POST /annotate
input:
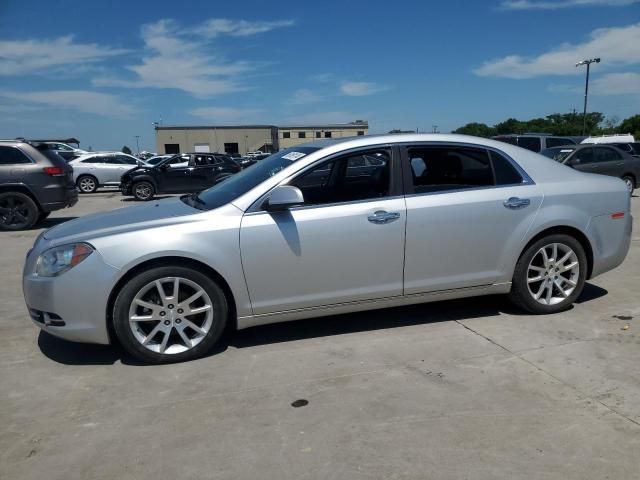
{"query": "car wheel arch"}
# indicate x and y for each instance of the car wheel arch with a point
(574, 232)
(163, 262)
(20, 188)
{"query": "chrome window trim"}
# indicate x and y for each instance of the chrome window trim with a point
(462, 190)
(326, 205)
(256, 206)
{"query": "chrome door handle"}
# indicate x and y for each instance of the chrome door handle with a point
(383, 217)
(516, 203)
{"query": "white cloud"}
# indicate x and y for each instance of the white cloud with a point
(182, 59)
(221, 115)
(358, 89)
(304, 96)
(20, 57)
(555, 5)
(238, 28)
(616, 46)
(616, 84)
(79, 100)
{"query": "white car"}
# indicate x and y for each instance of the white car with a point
(66, 151)
(257, 153)
(101, 169)
(617, 138)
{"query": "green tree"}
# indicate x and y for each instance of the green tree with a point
(631, 125)
(510, 125)
(476, 129)
(126, 150)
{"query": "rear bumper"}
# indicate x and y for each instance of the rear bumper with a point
(610, 241)
(58, 198)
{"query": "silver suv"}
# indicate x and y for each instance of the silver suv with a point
(34, 181)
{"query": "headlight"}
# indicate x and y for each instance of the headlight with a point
(58, 260)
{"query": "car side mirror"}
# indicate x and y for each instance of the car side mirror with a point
(283, 198)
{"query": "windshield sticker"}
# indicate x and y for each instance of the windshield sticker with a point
(293, 156)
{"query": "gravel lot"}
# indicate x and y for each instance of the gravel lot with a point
(461, 389)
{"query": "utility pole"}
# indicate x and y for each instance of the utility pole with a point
(586, 90)
(138, 144)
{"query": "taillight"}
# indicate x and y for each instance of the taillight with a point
(617, 215)
(54, 171)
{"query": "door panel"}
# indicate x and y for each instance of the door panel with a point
(313, 256)
(465, 238)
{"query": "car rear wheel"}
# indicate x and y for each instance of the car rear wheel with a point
(169, 314)
(549, 275)
(630, 182)
(143, 191)
(17, 211)
(87, 184)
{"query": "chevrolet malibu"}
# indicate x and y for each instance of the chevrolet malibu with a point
(325, 228)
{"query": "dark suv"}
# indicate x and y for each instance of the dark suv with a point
(34, 181)
(182, 173)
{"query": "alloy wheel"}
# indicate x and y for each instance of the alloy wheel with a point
(171, 315)
(14, 212)
(87, 185)
(553, 273)
(143, 190)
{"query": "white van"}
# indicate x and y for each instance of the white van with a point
(617, 138)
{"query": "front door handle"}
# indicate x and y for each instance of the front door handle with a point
(381, 216)
(516, 203)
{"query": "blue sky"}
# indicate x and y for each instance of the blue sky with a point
(104, 71)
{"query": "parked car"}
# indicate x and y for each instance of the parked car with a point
(101, 169)
(182, 173)
(34, 181)
(436, 217)
(599, 158)
(157, 159)
(257, 153)
(535, 143)
(66, 151)
(248, 161)
(632, 148)
(615, 138)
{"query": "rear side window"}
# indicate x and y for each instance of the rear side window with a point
(607, 154)
(584, 155)
(530, 143)
(557, 141)
(505, 172)
(12, 156)
(437, 169)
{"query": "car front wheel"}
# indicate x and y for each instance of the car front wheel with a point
(549, 275)
(169, 314)
(143, 191)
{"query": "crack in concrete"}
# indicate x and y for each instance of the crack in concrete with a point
(537, 367)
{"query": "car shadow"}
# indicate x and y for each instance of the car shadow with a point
(157, 197)
(70, 353)
(52, 222)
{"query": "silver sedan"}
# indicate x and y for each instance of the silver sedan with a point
(324, 228)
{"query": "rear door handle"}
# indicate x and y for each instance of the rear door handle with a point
(382, 216)
(516, 203)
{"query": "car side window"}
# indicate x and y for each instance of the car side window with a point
(504, 171)
(584, 155)
(126, 160)
(607, 154)
(530, 143)
(347, 179)
(439, 169)
(557, 141)
(200, 160)
(12, 156)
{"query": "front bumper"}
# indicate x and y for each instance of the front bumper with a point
(72, 306)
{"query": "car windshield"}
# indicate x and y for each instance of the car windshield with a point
(155, 160)
(557, 154)
(242, 182)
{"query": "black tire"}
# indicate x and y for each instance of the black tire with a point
(125, 297)
(143, 191)
(17, 211)
(630, 181)
(87, 184)
(43, 216)
(520, 294)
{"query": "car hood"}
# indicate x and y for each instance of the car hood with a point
(140, 169)
(138, 217)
